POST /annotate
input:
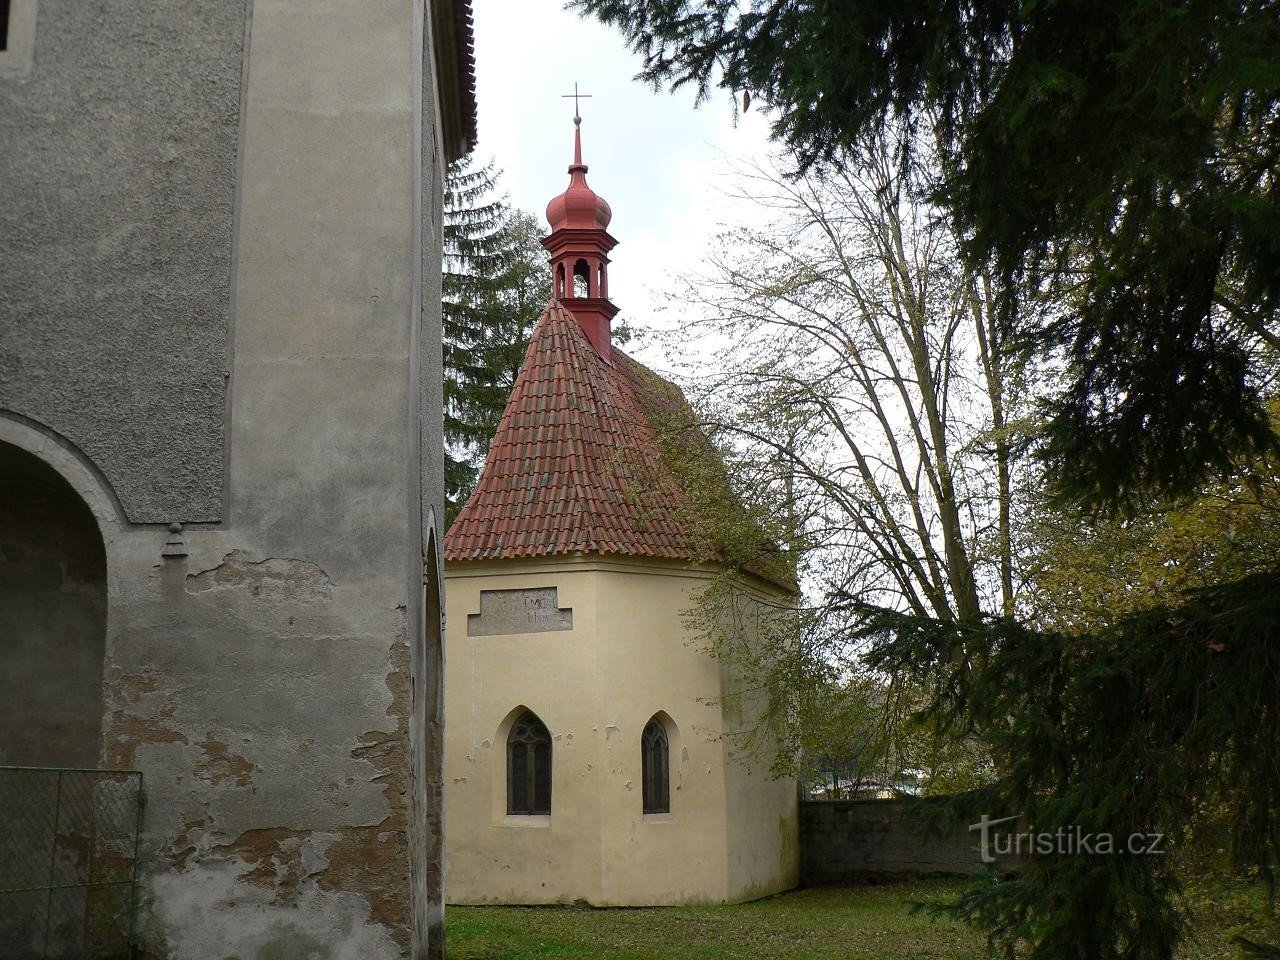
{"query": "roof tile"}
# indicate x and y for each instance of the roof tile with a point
(575, 466)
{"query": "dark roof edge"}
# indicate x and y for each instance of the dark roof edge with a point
(453, 38)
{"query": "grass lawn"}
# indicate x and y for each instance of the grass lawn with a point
(866, 923)
(870, 923)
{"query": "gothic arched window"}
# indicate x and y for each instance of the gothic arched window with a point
(528, 766)
(655, 764)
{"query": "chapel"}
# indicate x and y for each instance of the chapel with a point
(585, 750)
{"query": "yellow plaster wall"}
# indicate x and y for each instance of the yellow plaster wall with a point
(761, 812)
(595, 687)
(762, 829)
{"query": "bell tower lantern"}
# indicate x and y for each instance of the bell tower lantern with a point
(579, 246)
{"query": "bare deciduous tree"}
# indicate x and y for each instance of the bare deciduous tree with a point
(866, 404)
(860, 377)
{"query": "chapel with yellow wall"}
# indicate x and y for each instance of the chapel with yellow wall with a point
(585, 750)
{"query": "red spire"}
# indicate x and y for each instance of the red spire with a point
(579, 207)
(579, 247)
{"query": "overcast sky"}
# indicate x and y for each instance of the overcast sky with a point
(657, 160)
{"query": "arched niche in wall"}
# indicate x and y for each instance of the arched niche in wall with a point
(53, 616)
(431, 686)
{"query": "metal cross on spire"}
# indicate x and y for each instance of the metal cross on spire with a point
(577, 116)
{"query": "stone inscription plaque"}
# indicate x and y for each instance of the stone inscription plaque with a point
(518, 611)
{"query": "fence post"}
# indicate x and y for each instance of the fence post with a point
(133, 874)
(53, 864)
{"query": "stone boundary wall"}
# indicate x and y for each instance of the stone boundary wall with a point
(856, 841)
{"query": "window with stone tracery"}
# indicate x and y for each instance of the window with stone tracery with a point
(655, 763)
(528, 767)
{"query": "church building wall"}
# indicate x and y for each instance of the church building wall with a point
(764, 854)
(220, 252)
(490, 680)
(763, 844)
(627, 658)
(650, 665)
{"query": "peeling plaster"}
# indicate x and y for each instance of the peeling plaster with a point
(185, 844)
(136, 685)
(272, 579)
(221, 765)
(192, 906)
(274, 858)
(281, 877)
(127, 732)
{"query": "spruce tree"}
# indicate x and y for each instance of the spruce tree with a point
(1122, 161)
(1124, 157)
(494, 286)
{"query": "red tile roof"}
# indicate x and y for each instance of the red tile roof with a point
(453, 33)
(576, 465)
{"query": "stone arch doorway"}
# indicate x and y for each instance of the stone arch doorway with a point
(53, 616)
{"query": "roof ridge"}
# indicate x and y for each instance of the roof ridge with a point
(578, 442)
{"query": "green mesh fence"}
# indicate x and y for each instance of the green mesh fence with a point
(68, 862)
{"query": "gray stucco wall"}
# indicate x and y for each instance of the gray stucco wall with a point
(117, 182)
(235, 319)
(271, 677)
